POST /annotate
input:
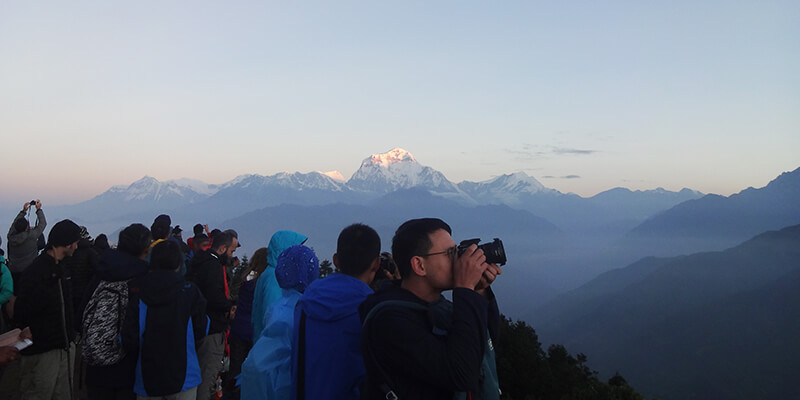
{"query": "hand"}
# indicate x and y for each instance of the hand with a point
(10, 306)
(26, 206)
(492, 270)
(8, 354)
(205, 227)
(469, 267)
(26, 333)
(232, 313)
(38, 204)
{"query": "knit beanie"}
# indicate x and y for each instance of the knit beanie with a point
(63, 233)
(297, 267)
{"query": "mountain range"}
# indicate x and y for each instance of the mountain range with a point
(587, 236)
(710, 325)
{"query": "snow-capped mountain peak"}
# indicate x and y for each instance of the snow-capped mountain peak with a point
(395, 155)
(515, 183)
(335, 175)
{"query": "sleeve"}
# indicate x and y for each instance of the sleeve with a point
(200, 321)
(41, 223)
(215, 283)
(6, 284)
(452, 361)
(130, 326)
(493, 315)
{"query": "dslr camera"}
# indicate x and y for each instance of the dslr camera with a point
(494, 251)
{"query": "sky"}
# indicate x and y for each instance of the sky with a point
(582, 95)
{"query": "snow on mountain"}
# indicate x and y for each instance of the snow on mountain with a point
(151, 189)
(335, 175)
(398, 169)
(296, 180)
(507, 189)
(196, 185)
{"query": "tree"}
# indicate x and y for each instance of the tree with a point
(325, 268)
(527, 372)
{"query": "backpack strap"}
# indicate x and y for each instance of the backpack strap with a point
(386, 383)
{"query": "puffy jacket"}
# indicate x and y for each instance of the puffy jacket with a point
(334, 367)
(22, 246)
(267, 288)
(267, 371)
(166, 318)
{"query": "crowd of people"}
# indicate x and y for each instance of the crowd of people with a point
(157, 317)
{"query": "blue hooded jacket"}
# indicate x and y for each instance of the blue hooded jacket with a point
(334, 367)
(266, 373)
(267, 288)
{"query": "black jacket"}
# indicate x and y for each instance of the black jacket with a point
(404, 350)
(166, 318)
(82, 266)
(206, 271)
(114, 266)
(44, 302)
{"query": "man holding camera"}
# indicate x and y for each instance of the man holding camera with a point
(418, 345)
(23, 240)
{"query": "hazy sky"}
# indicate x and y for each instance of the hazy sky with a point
(584, 96)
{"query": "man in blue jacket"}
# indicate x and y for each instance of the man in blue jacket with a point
(326, 354)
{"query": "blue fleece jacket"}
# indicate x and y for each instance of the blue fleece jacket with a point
(334, 368)
(267, 288)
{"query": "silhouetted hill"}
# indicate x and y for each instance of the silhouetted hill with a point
(716, 325)
(715, 222)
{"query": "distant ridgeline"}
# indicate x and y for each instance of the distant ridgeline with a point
(716, 325)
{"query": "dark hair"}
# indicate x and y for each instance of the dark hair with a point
(358, 246)
(166, 255)
(134, 240)
(21, 225)
(197, 229)
(101, 241)
(221, 239)
(159, 230)
(257, 264)
(411, 239)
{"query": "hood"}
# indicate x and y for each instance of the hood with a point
(161, 287)
(281, 241)
(118, 266)
(334, 297)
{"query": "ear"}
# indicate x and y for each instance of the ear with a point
(336, 260)
(417, 266)
(376, 263)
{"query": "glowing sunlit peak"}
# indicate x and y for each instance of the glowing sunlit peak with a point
(392, 156)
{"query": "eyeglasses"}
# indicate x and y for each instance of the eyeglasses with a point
(450, 252)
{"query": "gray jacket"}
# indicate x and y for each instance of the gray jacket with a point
(22, 246)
